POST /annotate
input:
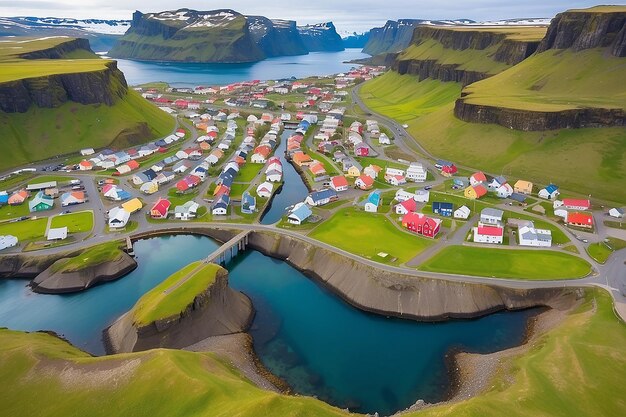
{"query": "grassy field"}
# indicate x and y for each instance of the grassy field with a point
(25, 230)
(94, 255)
(75, 222)
(507, 263)
(535, 156)
(367, 234)
(46, 377)
(249, 171)
(183, 286)
(558, 236)
(615, 225)
(602, 250)
(584, 358)
(73, 126)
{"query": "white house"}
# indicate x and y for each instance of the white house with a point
(618, 213)
(462, 213)
(561, 212)
(491, 216)
(118, 217)
(416, 172)
(7, 241)
(529, 236)
(504, 191)
(265, 189)
(372, 202)
(87, 151)
(420, 196)
(383, 139)
(59, 233)
(488, 234)
(299, 213)
(186, 211)
(395, 180)
(549, 193)
(394, 171)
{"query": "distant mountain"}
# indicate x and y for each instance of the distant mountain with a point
(321, 37)
(220, 36)
(102, 34)
(396, 35)
(355, 40)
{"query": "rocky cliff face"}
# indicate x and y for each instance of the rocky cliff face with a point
(494, 45)
(399, 295)
(216, 311)
(580, 30)
(276, 37)
(321, 37)
(96, 87)
(393, 37)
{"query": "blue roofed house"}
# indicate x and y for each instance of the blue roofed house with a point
(220, 205)
(299, 213)
(372, 202)
(319, 198)
(41, 202)
(550, 192)
(443, 209)
(4, 198)
(248, 203)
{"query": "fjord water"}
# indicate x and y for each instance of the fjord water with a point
(190, 75)
(293, 190)
(303, 333)
(323, 347)
(81, 317)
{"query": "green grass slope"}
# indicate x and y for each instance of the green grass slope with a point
(42, 133)
(44, 376)
(173, 295)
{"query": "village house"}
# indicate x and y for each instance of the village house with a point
(477, 178)
(248, 203)
(383, 139)
(474, 192)
(422, 225)
(549, 193)
(406, 206)
(364, 182)
(132, 206)
(443, 209)
(488, 234)
(265, 189)
(72, 198)
(85, 165)
(187, 211)
(504, 191)
(395, 180)
(149, 187)
(127, 167)
(572, 204)
(160, 209)
(416, 172)
(449, 170)
(164, 177)
(372, 171)
(491, 216)
(373, 202)
(616, 212)
(319, 198)
(496, 183)
(260, 154)
(8, 241)
(352, 168)
(181, 167)
(18, 198)
(41, 202)
(523, 187)
(317, 170)
(118, 218)
(299, 213)
(219, 207)
(528, 235)
(577, 219)
(301, 159)
(339, 183)
(462, 213)
(420, 196)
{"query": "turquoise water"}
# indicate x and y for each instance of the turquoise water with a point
(293, 191)
(190, 75)
(317, 343)
(323, 347)
(81, 317)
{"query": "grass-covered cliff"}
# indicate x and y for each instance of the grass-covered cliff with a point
(480, 124)
(57, 96)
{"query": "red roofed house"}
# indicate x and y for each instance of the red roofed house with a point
(488, 233)
(85, 165)
(406, 206)
(477, 178)
(339, 183)
(364, 182)
(573, 204)
(449, 170)
(362, 150)
(160, 209)
(580, 220)
(317, 169)
(474, 192)
(182, 104)
(421, 224)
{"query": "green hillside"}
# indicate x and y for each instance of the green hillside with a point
(42, 132)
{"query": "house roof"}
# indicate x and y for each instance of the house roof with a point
(551, 188)
(488, 211)
(480, 190)
(161, 206)
(571, 202)
(490, 230)
(374, 198)
(339, 181)
(479, 176)
(132, 205)
(323, 194)
(300, 211)
(317, 168)
(366, 179)
(409, 205)
(580, 218)
(442, 205)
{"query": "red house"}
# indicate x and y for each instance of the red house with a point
(182, 104)
(574, 204)
(362, 150)
(421, 224)
(580, 220)
(160, 209)
(449, 170)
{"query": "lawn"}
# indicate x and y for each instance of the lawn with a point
(26, 229)
(601, 251)
(76, 222)
(173, 295)
(558, 236)
(507, 263)
(383, 163)
(367, 234)
(249, 171)
(615, 225)
(576, 369)
(11, 212)
(236, 191)
(94, 255)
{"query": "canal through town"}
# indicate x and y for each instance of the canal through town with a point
(303, 333)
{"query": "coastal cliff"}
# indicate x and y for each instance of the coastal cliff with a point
(405, 296)
(216, 310)
(586, 47)
(321, 37)
(54, 280)
(462, 54)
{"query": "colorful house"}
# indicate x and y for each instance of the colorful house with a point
(364, 182)
(339, 183)
(248, 203)
(41, 202)
(71, 198)
(477, 178)
(317, 169)
(372, 202)
(449, 170)
(549, 193)
(299, 213)
(301, 159)
(132, 206)
(160, 209)
(474, 192)
(319, 198)
(18, 198)
(488, 234)
(421, 224)
(406, 206)
(580, 220)
(443, 209)
(523, 187)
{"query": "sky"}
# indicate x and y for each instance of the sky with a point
(348, 15)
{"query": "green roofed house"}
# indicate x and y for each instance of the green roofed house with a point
(41, 202)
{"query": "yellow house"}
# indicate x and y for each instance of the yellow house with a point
(523, 187)
(353, 171)
(132, 206)
(475, 192)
